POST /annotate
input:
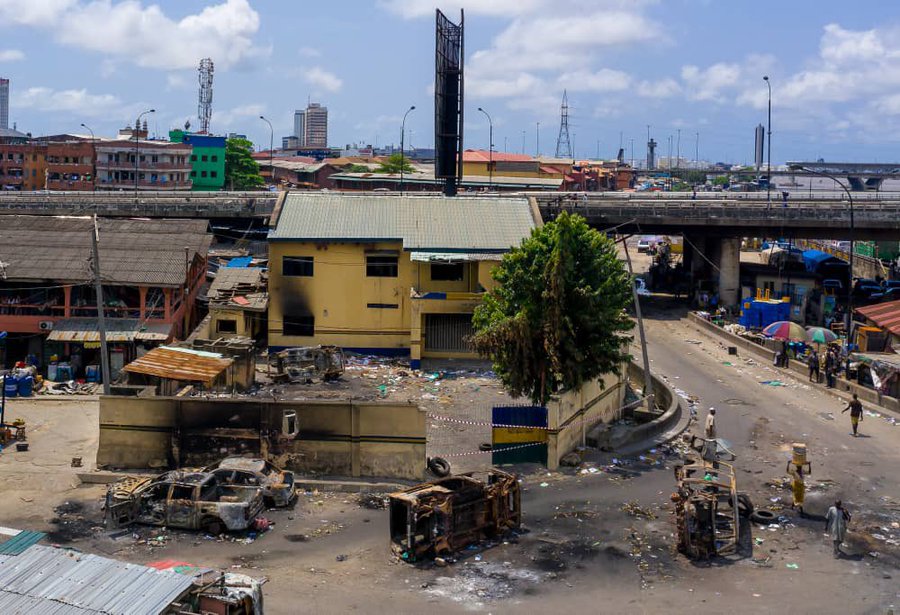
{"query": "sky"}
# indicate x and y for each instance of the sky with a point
(693, 66)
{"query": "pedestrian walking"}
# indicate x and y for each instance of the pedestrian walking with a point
(798, 487)
(710, 429)
(856, 413)
(813, 362)
(830, 367)
(836, 521)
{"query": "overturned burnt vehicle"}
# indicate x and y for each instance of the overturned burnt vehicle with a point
(183, 499)
(277, 485)
(306, 364)
(441, 517)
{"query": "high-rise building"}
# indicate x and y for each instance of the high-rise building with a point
(4, 103)
(300, 126)
(311, 126)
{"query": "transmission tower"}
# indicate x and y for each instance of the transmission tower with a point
(563, 143)
(204, 107)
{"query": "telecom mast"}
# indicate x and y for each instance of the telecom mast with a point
(204, 107)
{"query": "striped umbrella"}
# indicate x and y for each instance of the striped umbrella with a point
(820, 335)
(785, 330)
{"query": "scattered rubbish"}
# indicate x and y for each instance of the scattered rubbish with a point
(545, 484)
(341, 558)
(635, 510)
(773, 383)
(792, 566)
(372, 501)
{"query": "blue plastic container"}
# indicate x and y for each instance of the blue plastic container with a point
(26, 386)
(11, 385)
(92, 373)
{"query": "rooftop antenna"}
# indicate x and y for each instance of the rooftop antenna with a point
(204, 106)
(563, 143)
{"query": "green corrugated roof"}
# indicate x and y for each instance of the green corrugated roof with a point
(430, 223)
(21, 541)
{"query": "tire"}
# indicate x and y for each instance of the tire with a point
(745, 505)
(213, 526)
(763, 516)
(439, 466)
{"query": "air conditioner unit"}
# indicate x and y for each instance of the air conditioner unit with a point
(46, 325)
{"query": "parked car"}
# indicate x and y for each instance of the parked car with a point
(644, 244)
(183, 499)
(277, 485)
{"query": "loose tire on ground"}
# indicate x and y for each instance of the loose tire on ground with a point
(763, 516)
(439, 466)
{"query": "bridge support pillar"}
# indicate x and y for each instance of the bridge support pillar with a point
(729, 271)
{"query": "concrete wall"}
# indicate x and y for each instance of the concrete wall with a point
(574, 413)
(335, 438)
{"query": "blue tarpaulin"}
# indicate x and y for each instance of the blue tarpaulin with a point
(240, 262)
(813, 259)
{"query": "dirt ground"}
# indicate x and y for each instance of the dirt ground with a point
(597, 538)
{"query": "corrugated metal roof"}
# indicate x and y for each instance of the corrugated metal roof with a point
(180, 364)
(47, 580)
(885, 315)
(149, 252)
(21, 541)
(430, 223)
(454, 257)
(117, 330)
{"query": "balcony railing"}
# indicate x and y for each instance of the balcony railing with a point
(32, 309)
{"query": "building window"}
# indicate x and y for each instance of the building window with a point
(194, 158)
(193, 173)
(204, 158)
(226, 326)
(382, 306)
(214, 158)
(381, 266)
(302, 326)
(297, 266)
(447, 272)
(202, 173)
(213, 173)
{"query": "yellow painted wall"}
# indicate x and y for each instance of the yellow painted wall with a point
(243, 319)
(481, 169)
(338, 294)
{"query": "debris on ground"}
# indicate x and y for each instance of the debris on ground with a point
(372, 501)
(635, 510)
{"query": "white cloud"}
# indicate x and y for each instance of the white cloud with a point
(177, 81)
(78, 102)
(228, 117)
(309, 52)
(11, 55)
(603, 80)
(144, 35)
(709, 83)
(412, 9)
(660, 88)
(323, 79)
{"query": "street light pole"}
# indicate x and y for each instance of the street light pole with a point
(271, 149)
(403, 144)
(490, 149)
(769, 146)
(93, 157)
(137, 146)
(852, 239)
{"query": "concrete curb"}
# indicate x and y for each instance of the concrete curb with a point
(844, 388)
(670, 424)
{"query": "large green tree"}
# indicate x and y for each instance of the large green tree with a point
(557, 318)
(241, 171)
(394, 163)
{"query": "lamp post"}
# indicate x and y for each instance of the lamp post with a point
(769, 147)
(137, 145)
(271, 148)
(852, 235)
(93, 157)
(403, 143)
(490, 149)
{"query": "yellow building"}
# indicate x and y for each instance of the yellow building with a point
(387, 274)
(502, 164)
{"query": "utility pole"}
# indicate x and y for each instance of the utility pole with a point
(101, 316)
(678, 152)
(648, 382)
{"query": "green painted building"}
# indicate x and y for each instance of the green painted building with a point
(207, 159)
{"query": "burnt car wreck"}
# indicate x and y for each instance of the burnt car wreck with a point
(441, 517)
(183, 499)
(277, 485)
(306, 364)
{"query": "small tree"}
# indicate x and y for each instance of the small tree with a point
(241, 171)
(394, 163)
(557, 318)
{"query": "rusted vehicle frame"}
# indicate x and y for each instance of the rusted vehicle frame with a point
(176, 499)
(448, 514)
(277, 485)
(306, 363)
(707, 512)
